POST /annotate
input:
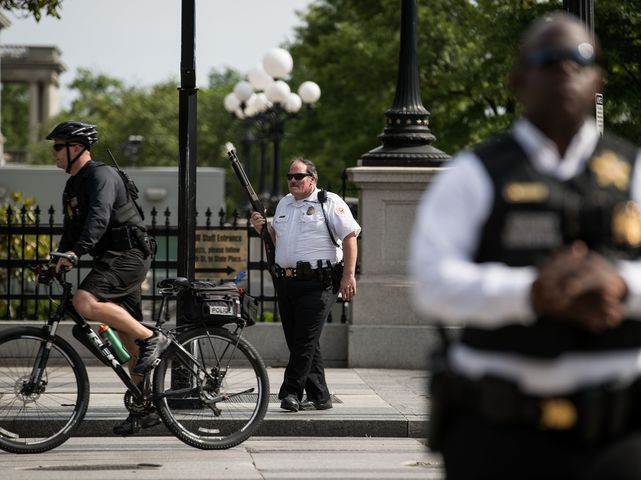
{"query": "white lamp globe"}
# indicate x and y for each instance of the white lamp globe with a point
(231, 102)
(243, 90)
(309, 92)
(278, 92)
(239, 113)
(250, 105)
(261, 102)
(293, 103)
(278, 63)
(259, 77)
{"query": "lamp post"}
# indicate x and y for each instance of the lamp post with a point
(131, 148)
(406, 139)
(265, 102)
(584, 9)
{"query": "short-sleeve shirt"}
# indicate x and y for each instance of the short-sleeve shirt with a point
(301, 233)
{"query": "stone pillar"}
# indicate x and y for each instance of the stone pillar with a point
(34, 111)
(385, 331)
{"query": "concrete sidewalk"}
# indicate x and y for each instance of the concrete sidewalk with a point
(367, 402)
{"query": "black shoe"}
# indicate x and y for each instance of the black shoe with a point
(133, 423)
(316, 405)
(150, 351)
(290, 402)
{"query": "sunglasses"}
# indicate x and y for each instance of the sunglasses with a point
(583, 56)
(59, 146)
(298, 176)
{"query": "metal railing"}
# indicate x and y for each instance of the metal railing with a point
(27, 235)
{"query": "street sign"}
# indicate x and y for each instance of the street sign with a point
(599, 112)
(220, 254)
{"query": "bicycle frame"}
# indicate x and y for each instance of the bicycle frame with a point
(199, 388)
(102, 350)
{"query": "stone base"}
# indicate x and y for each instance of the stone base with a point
(391, 346)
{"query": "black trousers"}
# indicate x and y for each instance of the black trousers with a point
(474, 448)
(304, 307)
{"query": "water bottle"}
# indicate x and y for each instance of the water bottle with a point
(114, 343)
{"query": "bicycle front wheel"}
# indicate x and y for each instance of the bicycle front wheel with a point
(216, 396)
(36, 417)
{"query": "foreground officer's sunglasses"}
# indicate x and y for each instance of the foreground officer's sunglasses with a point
(297, 176)
(583, 56)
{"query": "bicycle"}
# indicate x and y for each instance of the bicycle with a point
(210, 386)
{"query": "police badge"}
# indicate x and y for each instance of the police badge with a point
(626, 224)
(611, 170)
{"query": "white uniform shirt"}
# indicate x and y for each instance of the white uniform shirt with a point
(301, 233)
(451, 289)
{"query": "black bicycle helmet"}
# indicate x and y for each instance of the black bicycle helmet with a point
(79, 132)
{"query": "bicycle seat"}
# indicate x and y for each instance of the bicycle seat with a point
(173, 283)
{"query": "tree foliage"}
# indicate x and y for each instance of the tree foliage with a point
(34, 7)
(351, 49)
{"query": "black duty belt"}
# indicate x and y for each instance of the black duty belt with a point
(592, 414)
(304, 272)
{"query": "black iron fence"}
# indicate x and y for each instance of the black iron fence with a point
(27, 235)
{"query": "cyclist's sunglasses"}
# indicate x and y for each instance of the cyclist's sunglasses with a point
(583, 56)
(59, 146)
(298, 176)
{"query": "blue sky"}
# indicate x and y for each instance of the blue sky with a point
(138, 41)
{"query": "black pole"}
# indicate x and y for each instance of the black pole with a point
(187, 144)
(584, 9)
(276, 172)
(406, 138)
(263, 168)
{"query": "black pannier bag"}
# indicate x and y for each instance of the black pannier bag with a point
(207, 302)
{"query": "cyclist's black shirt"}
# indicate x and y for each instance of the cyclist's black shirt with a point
(89, 201)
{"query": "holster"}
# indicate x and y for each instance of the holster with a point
(121, 238)
(337, 275)
(127, 237)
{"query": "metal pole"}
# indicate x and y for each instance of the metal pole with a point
(263, 167)
(584, 9)
(187, 144)
(186, 172)
(276, 173)
(407, 139)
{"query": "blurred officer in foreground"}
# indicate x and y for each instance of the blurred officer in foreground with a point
(531, 242)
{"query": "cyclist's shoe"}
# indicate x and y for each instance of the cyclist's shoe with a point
(134, 422)
(150, 350)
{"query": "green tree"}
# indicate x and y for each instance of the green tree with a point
(34, 7)
(15, 122)
(618, 23)
(465, 49)
(350, 48)
(19, 212)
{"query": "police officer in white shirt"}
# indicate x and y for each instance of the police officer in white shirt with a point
(315, 237)
(531, 242)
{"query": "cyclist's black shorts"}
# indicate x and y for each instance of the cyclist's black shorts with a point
(117, 277)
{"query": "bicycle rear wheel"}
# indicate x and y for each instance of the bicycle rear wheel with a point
(217, 402)
(37, 418)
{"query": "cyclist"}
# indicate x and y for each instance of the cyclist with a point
(102, 220)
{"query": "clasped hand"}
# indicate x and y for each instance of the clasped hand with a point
(580, 287)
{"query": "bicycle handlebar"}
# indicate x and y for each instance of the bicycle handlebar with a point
(71, 257)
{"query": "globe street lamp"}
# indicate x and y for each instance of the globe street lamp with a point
(266, 102)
